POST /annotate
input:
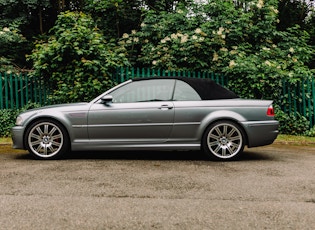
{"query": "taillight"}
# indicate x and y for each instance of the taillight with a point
(270, 111)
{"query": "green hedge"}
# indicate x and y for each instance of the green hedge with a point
(292, 124)
(8, 117)
(7, 121)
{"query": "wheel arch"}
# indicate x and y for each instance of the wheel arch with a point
(36, 119)
(230, 120)
(217, 117)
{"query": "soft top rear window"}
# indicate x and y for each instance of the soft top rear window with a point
(206, 88)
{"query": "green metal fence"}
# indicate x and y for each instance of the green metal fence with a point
(19, 90)
(299, 98)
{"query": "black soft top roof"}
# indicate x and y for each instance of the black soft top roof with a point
(206, 88)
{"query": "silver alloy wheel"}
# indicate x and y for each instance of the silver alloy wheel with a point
(45, 139)
(224, 140)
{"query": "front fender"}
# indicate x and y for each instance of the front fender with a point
(65, 119)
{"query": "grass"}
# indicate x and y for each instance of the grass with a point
(296, 140)
(5, 140)
(6, 146)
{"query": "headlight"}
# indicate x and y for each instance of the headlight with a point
(19, 120)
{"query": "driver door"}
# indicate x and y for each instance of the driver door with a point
(141, 112)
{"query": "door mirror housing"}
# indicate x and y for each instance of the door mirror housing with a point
(107, 99)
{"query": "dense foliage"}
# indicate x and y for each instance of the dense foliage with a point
(292, 124)
(77, 59)
(7, 121)
(8, 117)
(115, 17)
(12, 43)
(244, 44)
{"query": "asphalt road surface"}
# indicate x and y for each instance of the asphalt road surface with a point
(268, 188)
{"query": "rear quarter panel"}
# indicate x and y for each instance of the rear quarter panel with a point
(192, 118)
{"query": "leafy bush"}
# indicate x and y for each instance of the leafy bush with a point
(8, 117)
(76, 60)
(292, 124)
(310, 133)
(7, 121)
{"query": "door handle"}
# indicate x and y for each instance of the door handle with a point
(166, 107)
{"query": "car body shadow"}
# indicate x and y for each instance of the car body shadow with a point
(151, 155)
(137, 155)
(247, 155)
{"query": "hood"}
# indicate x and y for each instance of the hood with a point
(65, 106)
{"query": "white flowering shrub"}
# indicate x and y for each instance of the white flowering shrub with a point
(239, 41)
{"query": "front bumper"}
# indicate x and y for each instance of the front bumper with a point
(260, 133)
(18, 137)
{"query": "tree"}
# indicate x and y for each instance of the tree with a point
(31, 17)
(301, 13)
(12, 43)
(76, 60)
(310, 28)
(20, 21)
(115, 17)
(292, 12)
(165, 5)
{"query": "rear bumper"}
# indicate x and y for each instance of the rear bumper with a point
(17, 137)
(260, 133)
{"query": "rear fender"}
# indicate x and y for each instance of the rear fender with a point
(219, 115)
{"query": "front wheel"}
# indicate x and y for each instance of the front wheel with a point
(223, 140)
(46, 139)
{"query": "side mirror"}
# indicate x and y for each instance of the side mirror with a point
(107, 99)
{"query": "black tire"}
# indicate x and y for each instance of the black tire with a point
(47, 140)
(223, 140)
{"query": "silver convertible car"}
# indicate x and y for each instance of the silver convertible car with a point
(164, 113)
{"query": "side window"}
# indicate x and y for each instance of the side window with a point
(143, 91)
(184, 92)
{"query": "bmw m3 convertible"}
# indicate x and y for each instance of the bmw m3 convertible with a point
(164, 113)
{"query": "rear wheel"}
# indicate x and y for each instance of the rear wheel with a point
(223, 140)
(46, 139)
